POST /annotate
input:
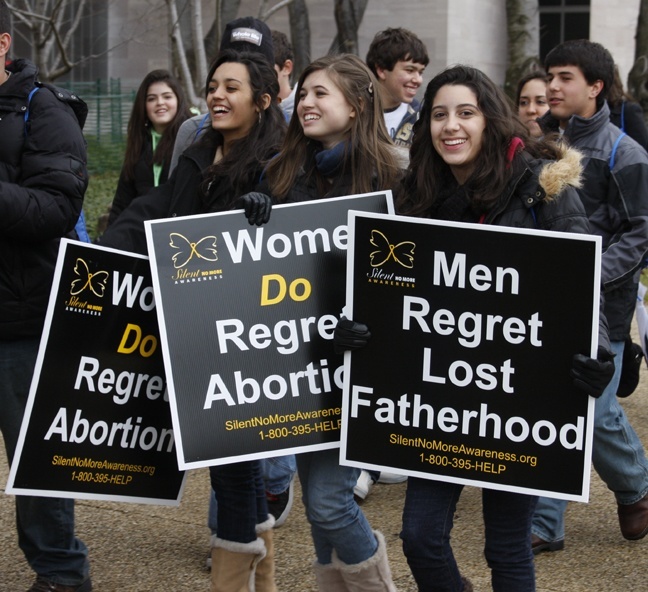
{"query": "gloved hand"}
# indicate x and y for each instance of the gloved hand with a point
(350, 335)
(257, 207)
(593, 375)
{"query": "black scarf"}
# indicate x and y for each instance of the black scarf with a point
(453, 203)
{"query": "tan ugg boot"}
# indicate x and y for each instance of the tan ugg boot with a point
(371, 575)
(234, 564)
(328, 578)
(264, 577)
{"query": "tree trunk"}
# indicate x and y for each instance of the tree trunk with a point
(180, 54)
(226, 11)
(198, 45)
(521, 16)
(348, 16)
(300, 35)
(638, 76)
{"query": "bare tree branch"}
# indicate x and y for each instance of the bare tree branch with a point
(264, 14)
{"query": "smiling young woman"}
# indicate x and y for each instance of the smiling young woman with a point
(159, 109)
(472, 160)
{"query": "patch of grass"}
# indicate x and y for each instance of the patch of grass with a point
(105, 159)
(100, 193)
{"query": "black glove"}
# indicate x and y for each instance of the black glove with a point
(593, 375)
(257, 207)
(350, 335)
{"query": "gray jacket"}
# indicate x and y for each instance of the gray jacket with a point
(616, 203)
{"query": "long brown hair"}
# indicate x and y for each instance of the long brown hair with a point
(428, 174)
(139, 126)
(369, 150)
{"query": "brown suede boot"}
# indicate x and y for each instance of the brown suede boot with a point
(234, 564)
(264, 577)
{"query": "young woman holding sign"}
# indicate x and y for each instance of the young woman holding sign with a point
(336, 145)
(472, 161)
(212, 175)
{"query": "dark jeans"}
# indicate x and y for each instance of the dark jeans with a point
(45, 525)
(240, 499)
(428, 518)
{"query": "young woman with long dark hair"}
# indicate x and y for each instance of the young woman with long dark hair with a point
(159, 109)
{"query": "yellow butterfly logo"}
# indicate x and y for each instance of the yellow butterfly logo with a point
(402, 253)
(205, 248)
(96, 282)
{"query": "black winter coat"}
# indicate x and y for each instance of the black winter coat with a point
(182, 195)
(143, 181)
(43, 179)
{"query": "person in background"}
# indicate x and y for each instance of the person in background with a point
(43, 179)
(397, 58)
(336, 145)
(626, 113)
(159, 109)
(473, 161)
(613, 192)
(531, 100)
(284, 63)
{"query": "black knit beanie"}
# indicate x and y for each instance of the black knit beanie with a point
(248, 34)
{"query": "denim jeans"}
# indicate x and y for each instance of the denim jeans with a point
(278, 472)
(240, 499)
(45, 525)
(336, 520)
(428, 518)
(617, 455)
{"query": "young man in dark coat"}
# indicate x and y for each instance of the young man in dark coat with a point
(613, 191)
(42, 182)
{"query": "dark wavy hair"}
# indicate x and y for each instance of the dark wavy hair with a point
(5, 18)
(428, 174)
(591, 58)
(394, 44)
(138, 124)
(248, 155)
(369, 151)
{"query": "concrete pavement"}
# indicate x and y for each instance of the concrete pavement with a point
(141, 548)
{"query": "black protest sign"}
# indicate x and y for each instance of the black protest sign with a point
(98, 422)
(466, 376)
(247, 316)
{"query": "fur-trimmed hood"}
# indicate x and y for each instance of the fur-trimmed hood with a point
(556, 175)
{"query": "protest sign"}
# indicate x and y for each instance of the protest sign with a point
(466, 377)
(246, 317)
(98, 422)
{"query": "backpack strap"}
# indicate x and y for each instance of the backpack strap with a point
(26, 116)
(201, 127)
(614, 150)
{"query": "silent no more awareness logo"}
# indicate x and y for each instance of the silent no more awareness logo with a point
(387, 254)
(87, 286)
(200, 252)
